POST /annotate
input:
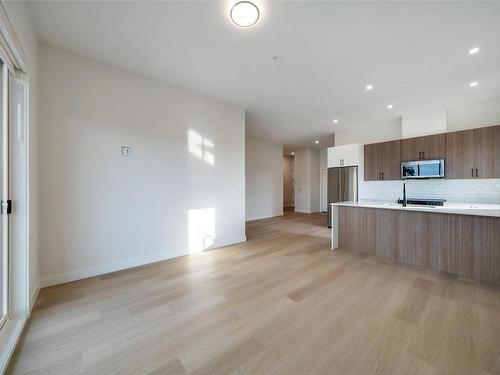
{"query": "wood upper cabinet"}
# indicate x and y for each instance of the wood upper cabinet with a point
(411, 149)
(434, 147)
(473, 153)
(429, 147)
(487, 152)
(383, 161)
(459, 161)
(372, 162)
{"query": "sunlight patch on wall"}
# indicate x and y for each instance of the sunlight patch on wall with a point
(201, 147)
(201, 229)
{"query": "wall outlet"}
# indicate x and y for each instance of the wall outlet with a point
(126, 151)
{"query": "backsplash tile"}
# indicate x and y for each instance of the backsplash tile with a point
(474, 191)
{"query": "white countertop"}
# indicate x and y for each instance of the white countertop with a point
(476, 209)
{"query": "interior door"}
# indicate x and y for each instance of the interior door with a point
(324, 189)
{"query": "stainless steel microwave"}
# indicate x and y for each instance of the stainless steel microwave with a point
(422, 169)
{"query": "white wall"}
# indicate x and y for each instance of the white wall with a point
(264, 179)
(21, 22)
(370, 133)
(307, 183)
(423, 123)
(182, 187)
(475, 115)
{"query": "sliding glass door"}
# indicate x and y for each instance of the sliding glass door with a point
(4, 191)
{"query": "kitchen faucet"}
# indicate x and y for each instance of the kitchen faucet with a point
(404, 194)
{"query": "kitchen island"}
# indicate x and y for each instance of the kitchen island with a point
(458, 238)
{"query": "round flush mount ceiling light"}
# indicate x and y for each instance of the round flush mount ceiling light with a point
(335, 120)
(390, 106)
(473, 50)
(473, 84)
(244, 14)
(317, 142)
(369, 87)
(293, 153)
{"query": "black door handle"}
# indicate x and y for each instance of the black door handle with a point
(476, 172)
(472, 172)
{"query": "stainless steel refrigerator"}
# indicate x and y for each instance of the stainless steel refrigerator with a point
(342, 186)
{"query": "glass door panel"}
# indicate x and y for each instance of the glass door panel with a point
(4, 189)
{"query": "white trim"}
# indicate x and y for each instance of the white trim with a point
(33, 298)
(265, 216)
(16, 326)
(66, 277)
(304, 211)
(11, 48)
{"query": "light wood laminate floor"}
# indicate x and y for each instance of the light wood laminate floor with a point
(281, 303)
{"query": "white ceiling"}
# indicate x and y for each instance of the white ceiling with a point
(415, 54)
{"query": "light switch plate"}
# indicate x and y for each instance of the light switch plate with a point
(126, 151)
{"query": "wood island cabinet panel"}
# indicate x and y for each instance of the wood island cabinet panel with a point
(411, 149)
(445, 242)
(390, 234)
(434, 147)
(463, 245)
(418, 246)
(357, 229)
(453, 248)
(459, 161)
(488, 240)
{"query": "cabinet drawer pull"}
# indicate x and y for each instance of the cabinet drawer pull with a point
(476, 173)
(423, 154)
(472, 172)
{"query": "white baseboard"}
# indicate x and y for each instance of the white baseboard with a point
(303, 211)
(265, 216)
(33, 297)
(9, 337)
(66, 277)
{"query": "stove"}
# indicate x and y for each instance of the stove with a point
(423, 201)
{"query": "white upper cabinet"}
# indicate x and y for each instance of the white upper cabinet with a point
(345, 156)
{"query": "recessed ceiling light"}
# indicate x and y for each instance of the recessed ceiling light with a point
(473, 84)
(369, 87)
(389, 106)
(473, 50)
(316, 142)
(335, 120)
(293, 153)
(244, 14)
